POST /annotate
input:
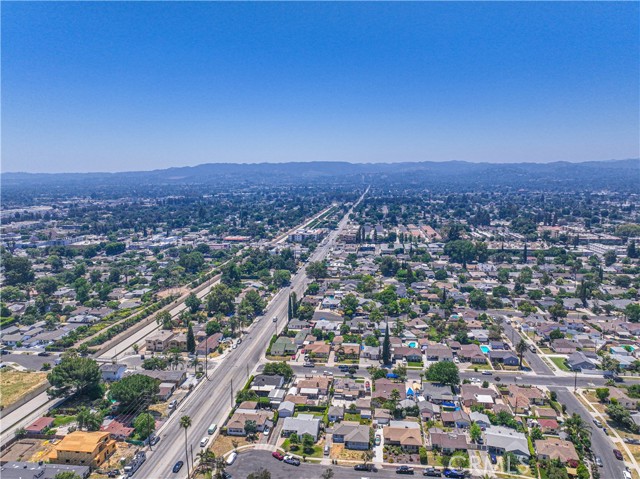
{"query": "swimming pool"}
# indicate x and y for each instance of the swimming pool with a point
(485, 349)
(412, 344)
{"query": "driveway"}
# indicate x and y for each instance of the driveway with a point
(378, 451)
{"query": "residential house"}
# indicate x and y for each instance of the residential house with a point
(300, 425)
(472, 353)
(286, 409)
(237, 423)
(335, 413)
(112, 371)
(548, 426)
(447, 442)
(383, 388)
(284, 346)
(480, 419)
(564, 346)
(353, 435)
(458, 419)
(83, 448)
(263, 384)
(318, 349)
(499, 440)
(158, 341)
(505, 357)
(209, 345)
(438, 352)
(39, 425)
(579, 361)
(556, 448)
(179, 342)
(405, 434)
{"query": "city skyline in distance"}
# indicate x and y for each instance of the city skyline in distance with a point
(97, 88)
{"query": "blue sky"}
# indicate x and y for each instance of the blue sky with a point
(140, 85)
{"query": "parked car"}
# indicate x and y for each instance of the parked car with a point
(626, 474)
(226, 475)
(405, 470)
(292, 460)
(599, 462)
(487, 373)
(266, 431)
(597, 423)
(204, 441)
(365, 467)
(308, 365)
(497, 378)
(618, 454)
(153, 440)
(378, 439)
(232, 457)
(432, 472)
(493, 458)
(177, 466)
(454, 474)
(277, 455)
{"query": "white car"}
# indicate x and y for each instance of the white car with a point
(475, 380)
(205, 441)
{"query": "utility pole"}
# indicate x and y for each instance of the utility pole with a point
(575, 381)
(231, 392)
(193, 464)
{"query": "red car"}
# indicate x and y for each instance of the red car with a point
(618, 454)
(277, 455)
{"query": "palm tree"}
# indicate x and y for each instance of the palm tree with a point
(578, 431)
(521, 347)
(206, 460)
(185, 422)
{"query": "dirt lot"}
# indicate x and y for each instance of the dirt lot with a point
(338, 451)
(15, 384)
(30, 450)
(224, 444)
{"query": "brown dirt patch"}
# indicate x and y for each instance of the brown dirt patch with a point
(26, 449)
(224, 444)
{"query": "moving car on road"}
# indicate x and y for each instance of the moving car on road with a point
(177, 466)
(618, 454)
(365, 467)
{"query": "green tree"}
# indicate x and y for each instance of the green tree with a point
(193, 303)
(444, 372)
(556, 334)
(155, 363)
(279, 368)
(212, 327)
(91, 421)
(164, 318)
(221, 299)
(134, 389)
(17, 270)
(66, 475)
(386, 347)
(609, 257)
(632, 311)
(460, 251)
(185, 423)
(478, 299)
(307, 443)
(317, 270)
(521, 347)
(75, 375)
(46, 285)
(250, 428)
(602, 394)
(191, 340)
(475, 432)
(349, 304)
(144, 424)
(557, 311)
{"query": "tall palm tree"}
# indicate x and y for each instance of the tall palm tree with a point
(206, 459)
(521, 347)
(578, 431)
(185, 422)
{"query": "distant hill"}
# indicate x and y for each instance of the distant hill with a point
(617, 175)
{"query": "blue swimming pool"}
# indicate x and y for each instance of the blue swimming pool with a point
(485, 349)
(412, 344)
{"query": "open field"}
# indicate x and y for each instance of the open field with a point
(15, 384)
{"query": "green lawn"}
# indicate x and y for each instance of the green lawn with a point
(63, 420)
(413, 364)
(561, 363)
(318, 451)
(356, 418)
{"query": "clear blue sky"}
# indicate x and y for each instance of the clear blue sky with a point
(142, 85)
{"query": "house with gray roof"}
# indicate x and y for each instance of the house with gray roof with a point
(302, 424)
(499, 440)
(352, 434)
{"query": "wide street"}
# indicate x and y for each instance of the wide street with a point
(212, 399)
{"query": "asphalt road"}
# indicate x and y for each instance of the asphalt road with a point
(535, 362)
(253, 461)
(600, 442)
(212, 399)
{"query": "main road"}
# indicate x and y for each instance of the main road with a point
(213, 398)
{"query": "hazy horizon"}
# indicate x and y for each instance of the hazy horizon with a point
(115, 87)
